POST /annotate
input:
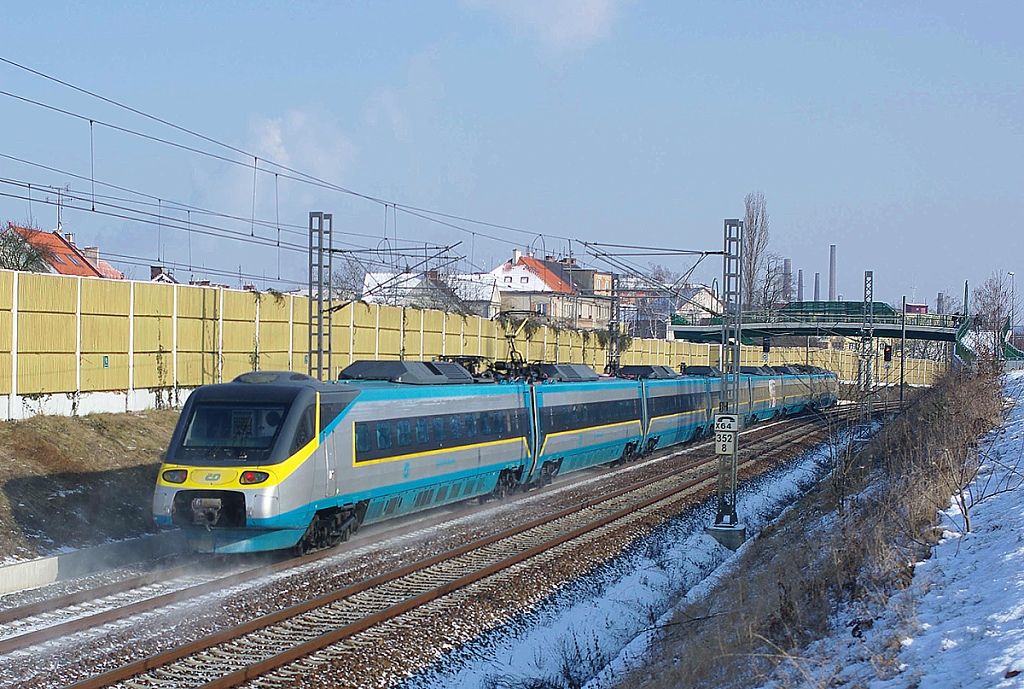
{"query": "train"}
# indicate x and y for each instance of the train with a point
(279, 460)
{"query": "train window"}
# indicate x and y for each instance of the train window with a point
(438, 430)
(422, 432)
(362, 438)
(329, 411)
(487, 424)
(403, 432)
(471, 425)
(383, 435)
(304, 431)
(455, 426)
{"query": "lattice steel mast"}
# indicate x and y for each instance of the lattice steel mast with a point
(321, 268)
(732, 331)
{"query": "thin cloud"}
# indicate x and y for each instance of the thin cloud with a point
(558, 24)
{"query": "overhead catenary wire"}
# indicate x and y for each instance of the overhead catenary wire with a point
(68, 201)
(297, 175)
(301, 230)
(264, 165)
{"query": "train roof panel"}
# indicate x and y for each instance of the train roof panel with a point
(408, 372)
(703, 371)
(568, 373)
(647, 372)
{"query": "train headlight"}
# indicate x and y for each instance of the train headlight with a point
(175, 475)
(250, 477)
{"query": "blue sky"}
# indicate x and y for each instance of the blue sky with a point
(892, 130)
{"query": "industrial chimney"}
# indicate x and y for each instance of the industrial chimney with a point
(787, 280)
(831, 272)
(817, 287)
(800, 285)
(940, 303)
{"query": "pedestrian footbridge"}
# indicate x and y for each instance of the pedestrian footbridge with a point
(824, 319)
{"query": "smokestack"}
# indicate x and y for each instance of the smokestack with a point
(787, 280)
(831, 272)
(516, 255)
(940, 303)
(800, 285)
(817, 287)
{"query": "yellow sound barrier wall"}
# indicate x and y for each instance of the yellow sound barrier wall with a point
(66, 335)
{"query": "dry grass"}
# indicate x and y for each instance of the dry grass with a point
(850, 541)
(76, 481)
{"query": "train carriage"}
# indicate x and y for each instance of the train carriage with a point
(677, 410)
(581, 424)
(279, 460)
(410, 447)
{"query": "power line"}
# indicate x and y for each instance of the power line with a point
(175, 224)
(300, 176)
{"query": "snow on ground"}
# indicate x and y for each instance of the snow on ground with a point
(961, 622)
(585, 627)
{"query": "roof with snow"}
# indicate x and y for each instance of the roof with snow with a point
(525, 267)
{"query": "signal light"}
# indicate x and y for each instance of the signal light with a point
(766, 344)
(250, 477)
(887, 353)
(176, 475)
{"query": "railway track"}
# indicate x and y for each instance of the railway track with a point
(86, 624)
(25, 625)
(266, 647)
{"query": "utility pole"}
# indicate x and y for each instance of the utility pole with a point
(903, 350)
(727, 530)
(867, 348)
(614, 328)
(1013, 307)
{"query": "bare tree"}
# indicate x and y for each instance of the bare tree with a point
(770, 289)
(18, 254)
(347, 280)
(755, 246)
(991, 306)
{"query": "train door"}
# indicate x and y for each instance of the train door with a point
(708, 403)
(328, 409)
(645, 415)
(533, 429)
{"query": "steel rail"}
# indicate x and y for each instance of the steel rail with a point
(279, 660)
(172, 655)
(53, 605)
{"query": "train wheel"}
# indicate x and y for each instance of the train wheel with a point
(307, 543)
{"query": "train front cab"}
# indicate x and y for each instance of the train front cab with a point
(239, 469)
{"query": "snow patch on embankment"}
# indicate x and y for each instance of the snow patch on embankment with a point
(961, 621)
(602, 624)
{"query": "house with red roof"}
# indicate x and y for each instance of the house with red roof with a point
(556, 290)
(63, 257)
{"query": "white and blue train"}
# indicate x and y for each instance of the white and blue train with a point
(279, 460)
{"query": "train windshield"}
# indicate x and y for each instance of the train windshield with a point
(232, 430)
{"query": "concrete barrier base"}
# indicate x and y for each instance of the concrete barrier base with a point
(46, 570)
(732, 537)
